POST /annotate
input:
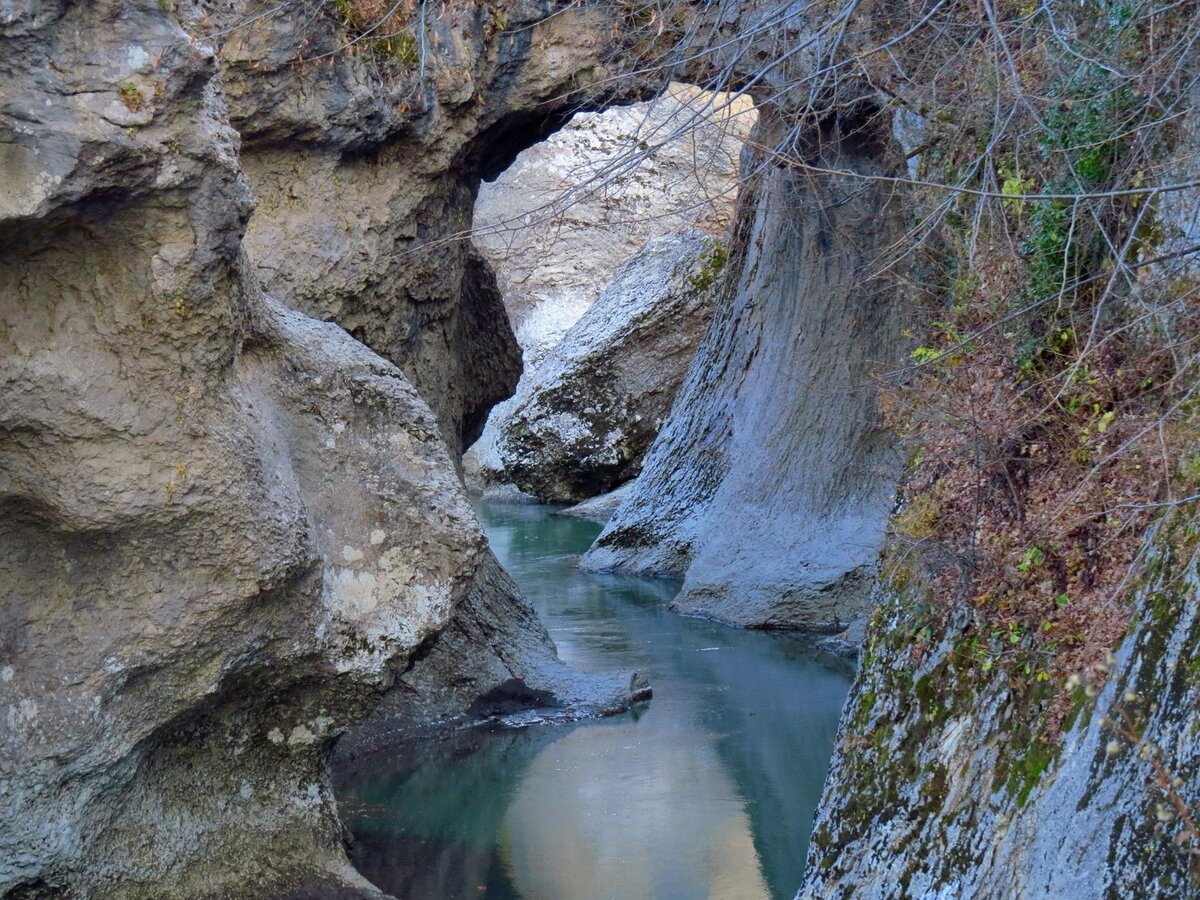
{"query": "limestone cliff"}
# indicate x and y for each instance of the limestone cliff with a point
(775, 428)
(942, 786)
(366, 161)
(570, 211)
(225, 527)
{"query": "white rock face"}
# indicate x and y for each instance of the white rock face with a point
(555, 241)
(581, 423)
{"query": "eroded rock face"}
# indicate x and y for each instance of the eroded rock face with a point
(570, 211)
(582, 422)
(558, 223)
(366, 175)
(494, 660)
(224, 526)
(211, 506)
(769, 487)
(942, 787)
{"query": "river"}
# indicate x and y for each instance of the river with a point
(707, 791)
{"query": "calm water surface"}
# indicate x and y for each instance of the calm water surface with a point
(707, 791)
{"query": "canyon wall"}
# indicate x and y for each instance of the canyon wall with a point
(230, 531)
(776, 427)
(366, 161)
(972, 760)
(572, 210)
(943, 787)
(226, 528)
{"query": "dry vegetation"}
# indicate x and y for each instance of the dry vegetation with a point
(1052, 265)
(1050, 409)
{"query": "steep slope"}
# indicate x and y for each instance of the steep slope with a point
(366, 158)
(225, 527)
(775, 427)
(570, 211)
(942, 786)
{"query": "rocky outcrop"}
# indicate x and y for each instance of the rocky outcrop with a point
(559, 222)
(775, 428)
(223, 522)
(366, 162)
(943, 787)
(224, 526)
(494, 660)
(599, 509)
(570, 211)
(582, 422)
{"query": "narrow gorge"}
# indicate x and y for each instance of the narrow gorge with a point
(540, 449)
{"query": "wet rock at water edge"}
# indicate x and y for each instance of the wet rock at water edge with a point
(225, 525)
(768, 487)
(599, 509)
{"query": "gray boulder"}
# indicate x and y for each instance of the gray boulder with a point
(583, 423)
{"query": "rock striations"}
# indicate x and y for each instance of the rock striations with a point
(775, 428)
(943, 787)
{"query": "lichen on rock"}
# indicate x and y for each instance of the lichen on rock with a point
(943, 783)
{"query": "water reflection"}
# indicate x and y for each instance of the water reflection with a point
(707, 792)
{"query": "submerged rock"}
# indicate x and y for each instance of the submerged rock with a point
(769, 486)
(599, 509)
(581, 425)
(845, 643)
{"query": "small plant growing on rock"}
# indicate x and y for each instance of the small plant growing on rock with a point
(712, 263)
(130, 96)
(381, 28)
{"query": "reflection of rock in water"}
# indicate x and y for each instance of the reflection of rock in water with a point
(706, 792)
(773, 740)
(599, 815)
(429, 829)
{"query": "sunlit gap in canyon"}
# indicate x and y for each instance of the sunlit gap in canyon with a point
(709, 789)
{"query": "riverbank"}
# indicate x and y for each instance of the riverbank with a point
(706, 791)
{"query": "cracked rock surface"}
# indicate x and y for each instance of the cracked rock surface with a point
(582, 423)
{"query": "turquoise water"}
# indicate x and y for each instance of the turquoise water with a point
(707, 791)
